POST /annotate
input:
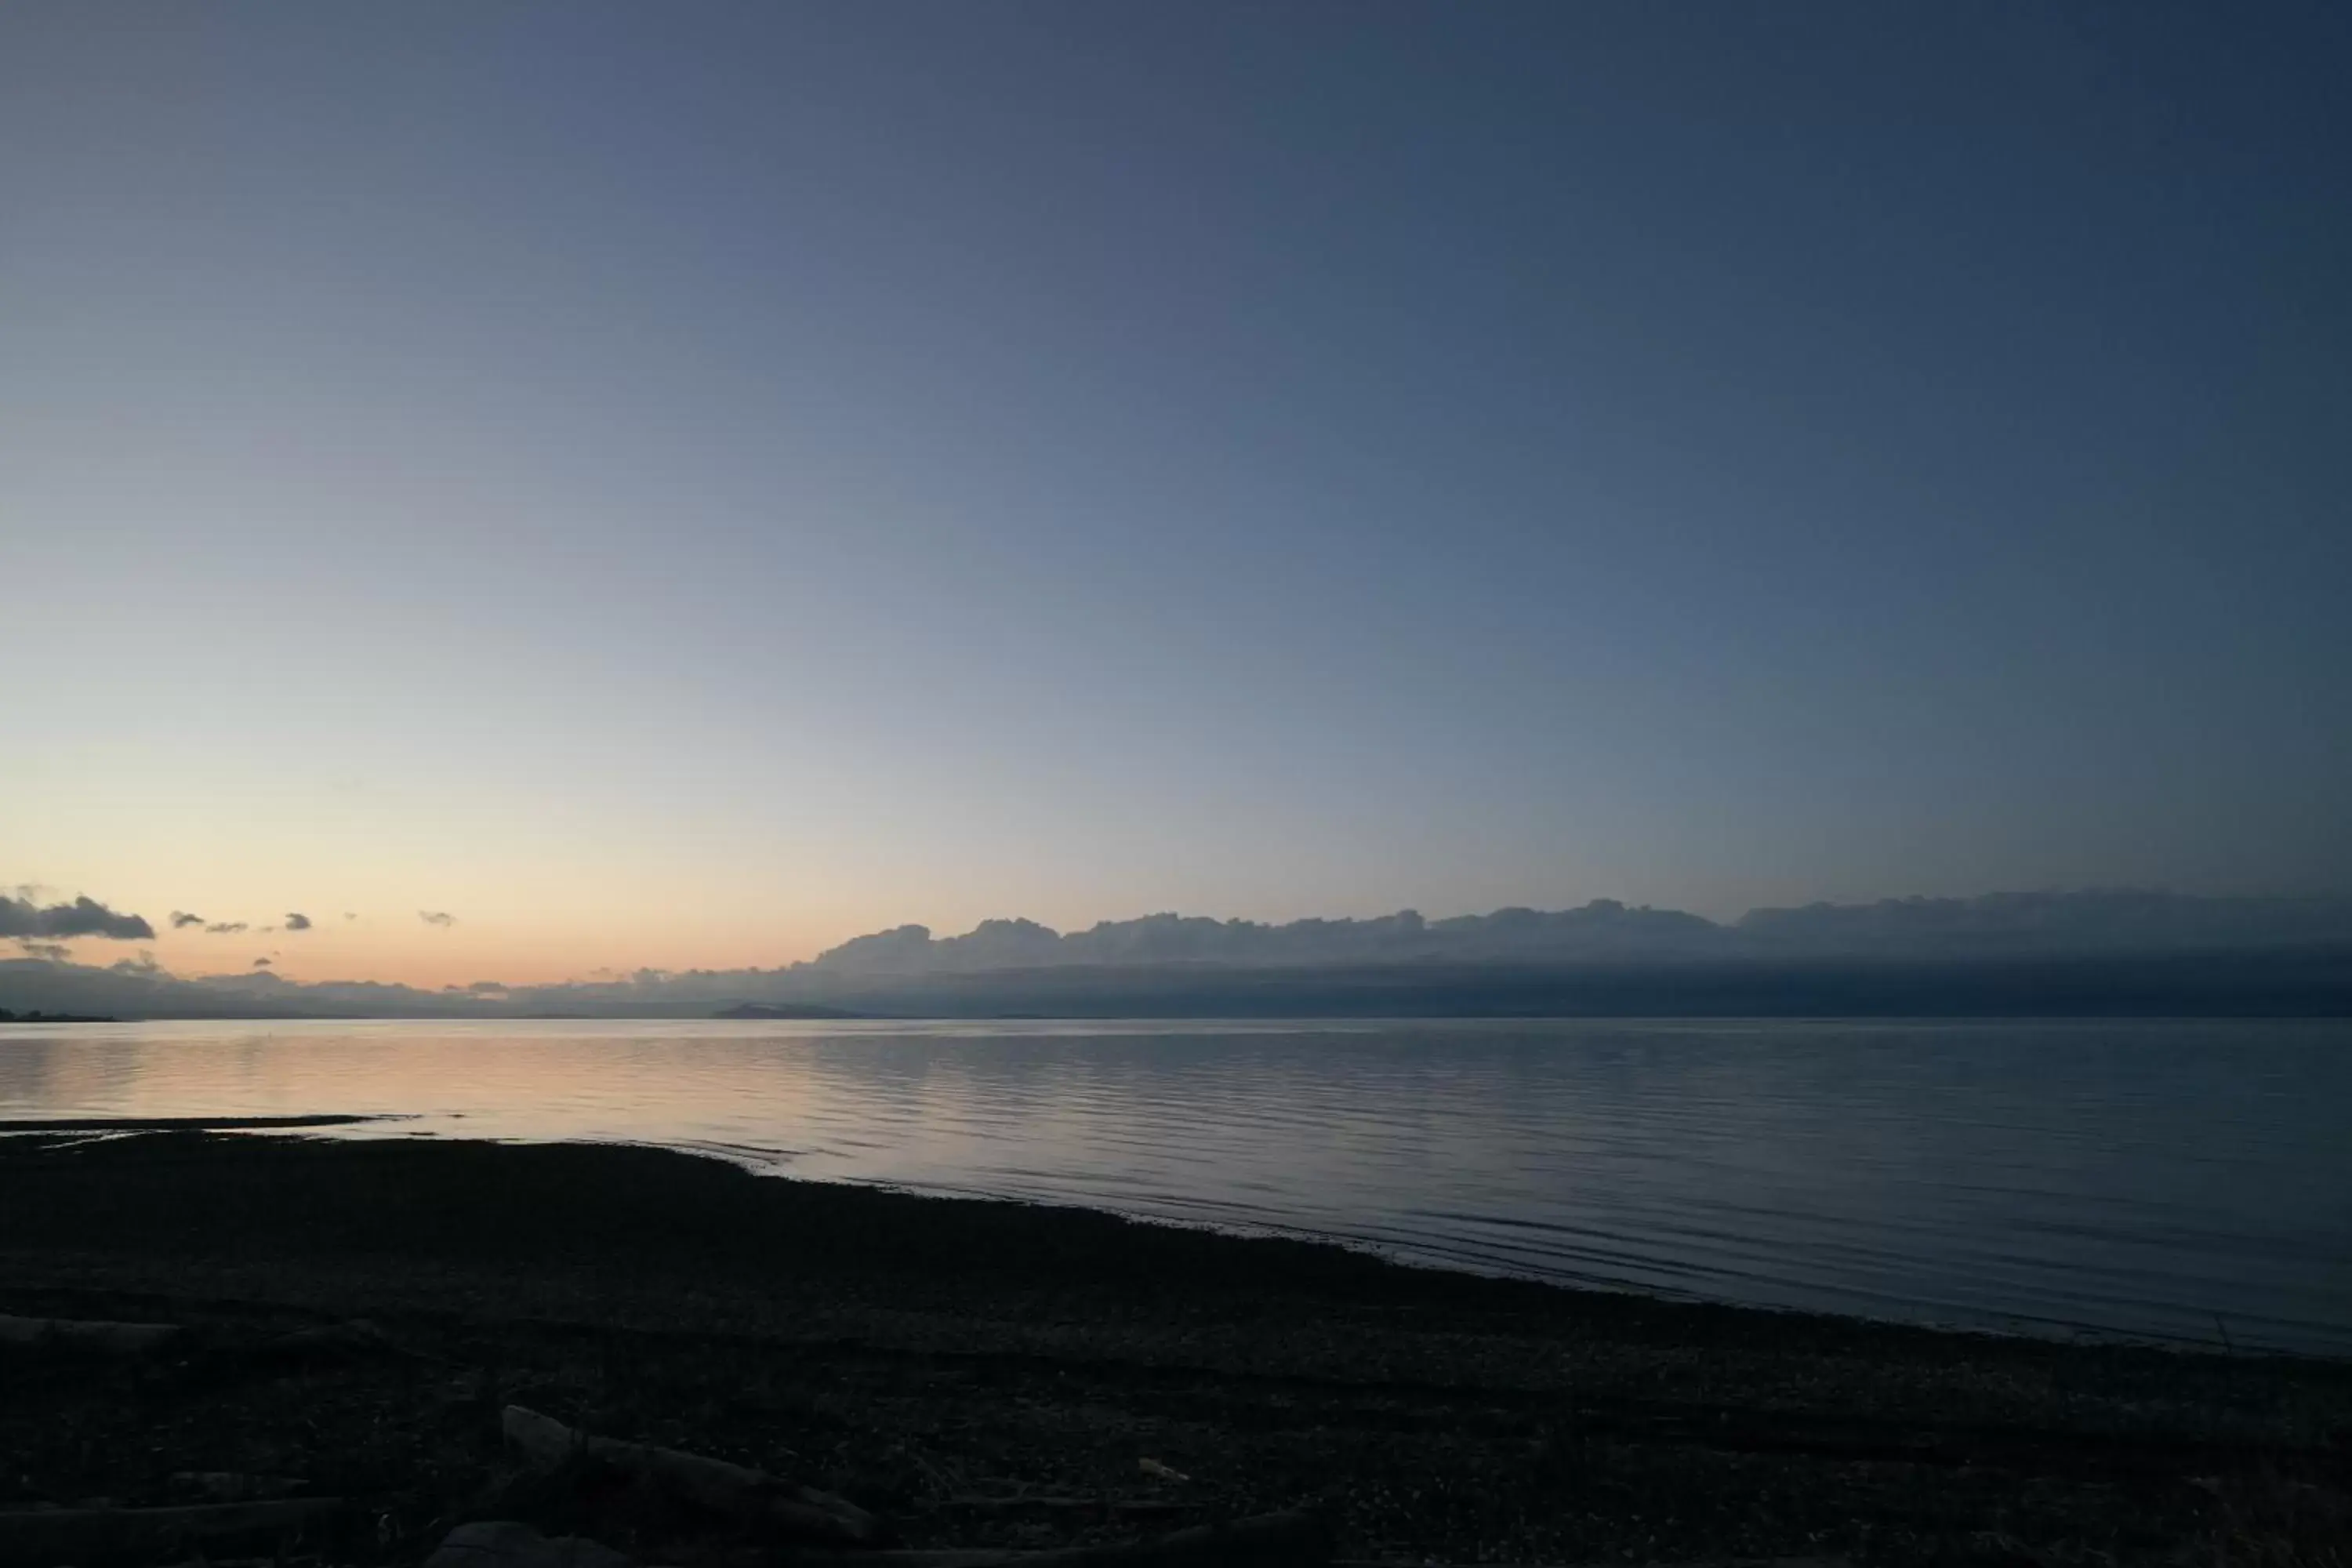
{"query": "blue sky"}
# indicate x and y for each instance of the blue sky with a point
(688, 484)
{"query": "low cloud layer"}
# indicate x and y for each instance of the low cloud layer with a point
(2003, 925)
(1603, 927)
(441, 918)
(181, 919)
(83, 917)
(2233, 947)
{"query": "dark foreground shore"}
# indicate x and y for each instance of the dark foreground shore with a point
(993, 1374)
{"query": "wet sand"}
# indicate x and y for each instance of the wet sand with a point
(992, 1373)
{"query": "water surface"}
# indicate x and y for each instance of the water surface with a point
(2181, 1180)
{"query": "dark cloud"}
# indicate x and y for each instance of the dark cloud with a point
(51, 951)
(442, 918)
(224, 927)
(298, 922)
(144, 964)
(1602, 929)
(181, 918)
(83, 917)
(261, 963)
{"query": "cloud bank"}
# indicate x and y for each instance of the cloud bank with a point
(2113, 952)
(83, 917)
(1999, 924)
(1601, 928)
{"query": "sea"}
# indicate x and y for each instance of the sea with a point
(2186, 1182)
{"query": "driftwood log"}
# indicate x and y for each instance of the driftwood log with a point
(976, 1557)
(751, 1498)
(236, 1485)
(1062, 1502)
(502, 1543)
(42, 1538)
(89, 1338)
(1267, 1540)
(357, 1339)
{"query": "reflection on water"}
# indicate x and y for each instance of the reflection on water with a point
(2131, 1176)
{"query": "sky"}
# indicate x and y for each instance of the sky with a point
(684, 485)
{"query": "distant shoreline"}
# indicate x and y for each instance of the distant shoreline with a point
(1399, 1019)
(2299, 981)
(783, 1010)
(180, 1124)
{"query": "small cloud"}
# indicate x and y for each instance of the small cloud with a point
(261, 963)
(351, 914)
(298, 922)
(143, 965)
(47, 952)
(182, 918)
(441, 918)
(224, 927)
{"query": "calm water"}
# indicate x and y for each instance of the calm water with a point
(2135, 1177)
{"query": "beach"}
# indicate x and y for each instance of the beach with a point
(995, 1375)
